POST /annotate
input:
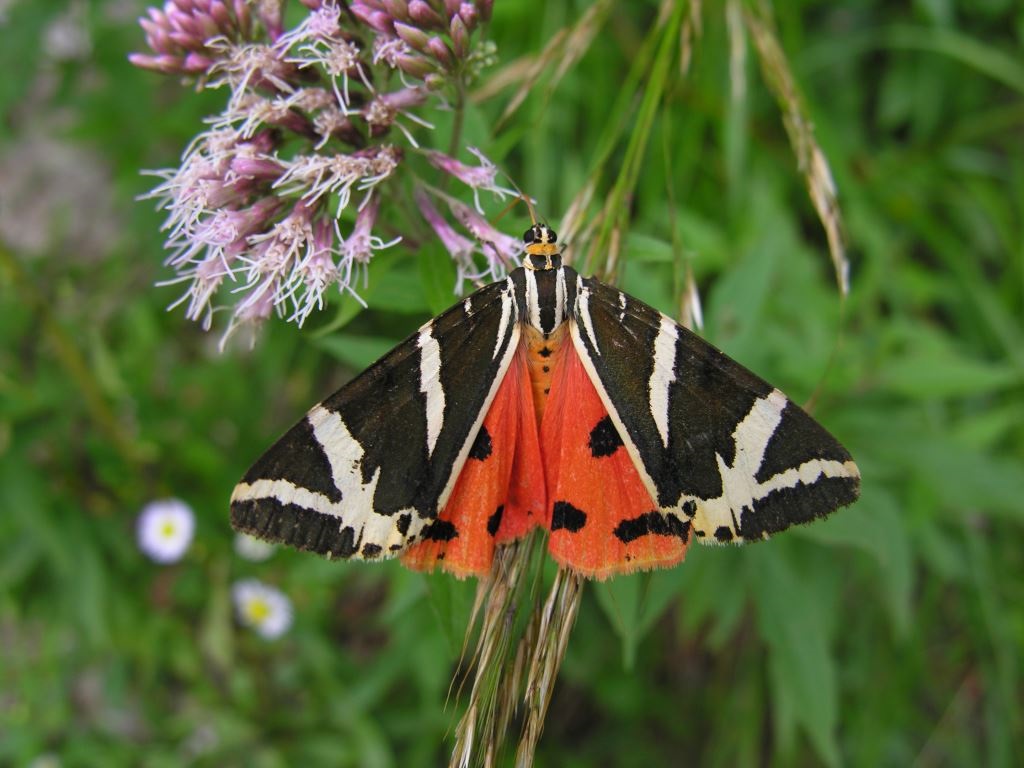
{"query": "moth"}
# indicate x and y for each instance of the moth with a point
(553, 400)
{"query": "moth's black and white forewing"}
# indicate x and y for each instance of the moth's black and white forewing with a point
(717, 446)
(367, 470)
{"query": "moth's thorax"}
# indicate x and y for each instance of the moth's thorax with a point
(547, 297)
(541, 258)
(542, 351)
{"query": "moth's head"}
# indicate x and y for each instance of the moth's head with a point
(541, 248)
(540, 234)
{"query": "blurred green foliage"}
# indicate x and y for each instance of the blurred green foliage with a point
(890, 634)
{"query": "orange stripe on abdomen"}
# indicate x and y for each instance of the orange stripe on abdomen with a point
(541, 353)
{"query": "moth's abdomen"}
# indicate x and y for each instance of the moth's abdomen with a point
(542, 351)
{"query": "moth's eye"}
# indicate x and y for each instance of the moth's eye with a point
(552, 237)
(529, 236)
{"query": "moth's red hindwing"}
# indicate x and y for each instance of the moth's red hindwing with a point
(601, 516)
(499, 492)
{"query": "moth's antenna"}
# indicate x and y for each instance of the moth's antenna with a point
(523, 197)
(506, 209)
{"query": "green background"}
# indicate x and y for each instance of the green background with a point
(890, 634)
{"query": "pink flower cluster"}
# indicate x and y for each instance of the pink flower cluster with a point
(278, 200)
(179, 35)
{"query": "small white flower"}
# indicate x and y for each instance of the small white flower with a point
(165, 529)
(262, 608)
(252, 549)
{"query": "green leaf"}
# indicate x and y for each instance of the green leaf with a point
(711, 592)
(358, 352)
(934, 375)
(401, 291)
(966, 479)
(803, 673)
(619, 598)
(452, 601)
(644, 248)
(875, 525)
(437, 276)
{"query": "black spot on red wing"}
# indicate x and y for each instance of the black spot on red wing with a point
(548, 389)
(689, 508)
(371, 550)
(545, 368)
(565, 515)
(482, 446)
(604, 438)
(723, 533)
(440, 530)
(494, 521)
(402, 524)
(545, 352)
(652, 523)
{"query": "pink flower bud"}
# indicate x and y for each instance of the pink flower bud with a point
(190, 25)
(181, 39)
(194, 63)
(156, 33)
(377, 20)
(221, 14)
(398, 9)
(440, 51)
(415, 66)
(434, 82)
(262, 143)
(460, 37)
(205, 27)
(256, 168)
(242, 14)
(414, 37)
(423, 14)
(469, 15)
(405, 99)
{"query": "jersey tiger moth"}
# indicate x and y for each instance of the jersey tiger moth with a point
(553, 400)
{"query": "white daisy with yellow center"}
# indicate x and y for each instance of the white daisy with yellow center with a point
(262, 608)
(165, 529)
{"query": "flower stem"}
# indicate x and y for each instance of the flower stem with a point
(460, 111)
